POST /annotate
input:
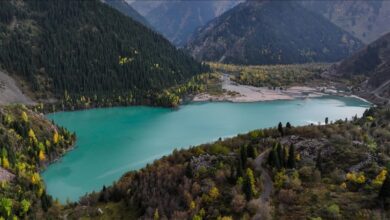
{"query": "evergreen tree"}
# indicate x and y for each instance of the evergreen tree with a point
(281, 157)
(385, 189)
(252, 152)
(291, 157)
(240, 169)
(274, 158)
(189, 171)
(319, 161)
(288, 125)
(243, 156)
(249, 185)
(280, 128)
(326, 120)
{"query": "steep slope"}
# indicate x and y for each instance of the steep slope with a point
(374, 62)
(366, 20)
(86, 48)
(177, 20)
(144, 7)
(126, 9)
(29, 142)
(271, 32)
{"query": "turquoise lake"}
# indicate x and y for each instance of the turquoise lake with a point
(112, 141)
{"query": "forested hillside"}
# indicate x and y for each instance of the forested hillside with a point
(271, 32)
(366, 20)
(71, 49)
(338, 170)
(29, 142)
(126, 9)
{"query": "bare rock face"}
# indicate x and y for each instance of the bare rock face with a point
(5, 175)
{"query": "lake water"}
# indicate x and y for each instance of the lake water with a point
(112, 141)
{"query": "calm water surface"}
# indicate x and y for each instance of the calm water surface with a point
(111, 141)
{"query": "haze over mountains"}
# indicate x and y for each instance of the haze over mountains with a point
(178, 19)
(271, 32)
(126, 9)
(366, 20)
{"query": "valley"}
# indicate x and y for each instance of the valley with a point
(234, 109)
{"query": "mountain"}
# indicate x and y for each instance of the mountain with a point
(271, 32)
(374, 62)
(86, 48)
(366, 20)
(144, 7)
(126, 9)
(177, 20)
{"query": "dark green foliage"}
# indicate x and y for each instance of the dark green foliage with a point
(385, 189)
(288, 125)
(319, 161)
(252, 152)
(189, 171)
(243, 156)
(326, 120)
(273, 158)
(280, 128)
(291, 157)
(247, 188)
(87, 48)
(46, 201)
(281, 157)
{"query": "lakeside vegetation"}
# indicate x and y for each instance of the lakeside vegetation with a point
(273, 75)
(338, 170)
(29, 142)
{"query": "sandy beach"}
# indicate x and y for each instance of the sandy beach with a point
(243, 93)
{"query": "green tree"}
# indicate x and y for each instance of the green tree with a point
(319, 161)
(385, 189)
(252, 152)
(243, 156)
(24, 206)
(280, 128)
(5, 206)
(326, 120)
(249, 184)
(291, 157)
(281, 156)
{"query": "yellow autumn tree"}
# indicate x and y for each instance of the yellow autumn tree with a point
(31, 135)
(41, 155)
(356, 177)
(5, 163)
(56, 137)
(380, 178)
(214, 193)
(24, 117)
(35, 178)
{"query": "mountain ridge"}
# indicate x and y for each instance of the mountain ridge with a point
(235, 36)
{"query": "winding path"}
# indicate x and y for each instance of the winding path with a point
(265, 177)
